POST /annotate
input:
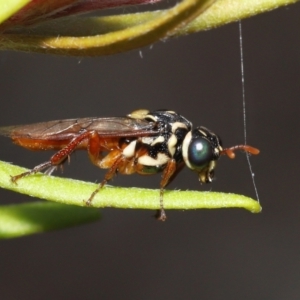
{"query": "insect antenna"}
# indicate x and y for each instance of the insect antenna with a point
(230, 151)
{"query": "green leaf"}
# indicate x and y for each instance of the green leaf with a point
(220, 13)
(10, 7)
(18, 220)
(130, 38)
(94, 36)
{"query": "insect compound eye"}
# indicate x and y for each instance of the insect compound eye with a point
(200, 152)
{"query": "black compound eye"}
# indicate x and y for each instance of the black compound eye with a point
(200, 152)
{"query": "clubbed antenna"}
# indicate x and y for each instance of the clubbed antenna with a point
(230, 151)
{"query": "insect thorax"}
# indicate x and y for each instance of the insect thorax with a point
(153, 152)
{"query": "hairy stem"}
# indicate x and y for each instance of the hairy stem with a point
(74, 192)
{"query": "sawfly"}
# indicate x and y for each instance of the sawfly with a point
(143, 142)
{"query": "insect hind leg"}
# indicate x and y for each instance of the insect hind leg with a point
(36, 169)
(56, 160)
(50, 170)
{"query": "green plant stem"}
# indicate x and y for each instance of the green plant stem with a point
(91, 36)
(75, 192)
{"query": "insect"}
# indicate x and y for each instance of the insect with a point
(143, 142)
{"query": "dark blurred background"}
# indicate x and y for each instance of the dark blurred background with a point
(201, 254)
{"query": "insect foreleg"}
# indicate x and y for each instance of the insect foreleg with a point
(168, 172)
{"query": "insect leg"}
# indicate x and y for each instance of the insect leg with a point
(57, 159)
(108, 176)
(114, 161)
(36, 169)
(168, 172)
